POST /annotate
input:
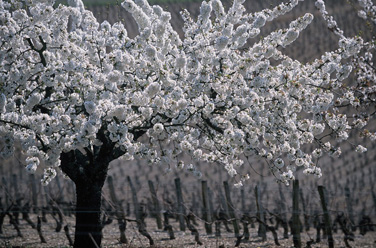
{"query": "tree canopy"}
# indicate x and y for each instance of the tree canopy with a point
(72, 85)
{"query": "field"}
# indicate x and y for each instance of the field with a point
(161, 238)
(349, 185)
(349, 181)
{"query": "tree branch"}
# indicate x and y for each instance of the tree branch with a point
(44, 147)
(39, 51)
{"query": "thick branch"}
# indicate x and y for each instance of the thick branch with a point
(68, 165)
(44, 147)
(210, 124)
(39, 51)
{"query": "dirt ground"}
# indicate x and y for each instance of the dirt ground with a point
(111, 236)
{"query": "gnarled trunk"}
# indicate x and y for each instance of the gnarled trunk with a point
(88, 170)
(88, 231)
(89, 176)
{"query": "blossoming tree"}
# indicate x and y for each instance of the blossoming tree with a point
(77, 94)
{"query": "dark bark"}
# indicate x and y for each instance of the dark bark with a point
(167, 226)
(238, 240)
(88, 170)
(344, 225)
(118, 211)
(2, 216)
(59, 219)
(39, 229)
(157, 207)
(181, 209)
(122, 228)
(283, 211)
(88, 173)
(142, 225)
(3, 213)
(245, 220)
(207, 215)
(44, 214)
(25, 215)
(327, 219)
(66, 230)
(217, 228)
(88, 216)
(275, 235)
(231, 209)
(15, 225)
(189, 219)
(260, 214)
(296, 225)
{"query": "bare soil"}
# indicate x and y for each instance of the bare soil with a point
(111, 236)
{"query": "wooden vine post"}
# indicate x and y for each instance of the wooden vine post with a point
(157, 207)
(260, 214)
(327, 220)
(135, 200)
(207, 213)
(34, 193)
(231, 209)
(283, 212)
(181, 211)
(305, 214)
(349, 207)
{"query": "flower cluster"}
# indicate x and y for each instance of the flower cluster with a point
(368, 10)
(68, 81)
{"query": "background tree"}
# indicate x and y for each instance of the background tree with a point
(77, 94)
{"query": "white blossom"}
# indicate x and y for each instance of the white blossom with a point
(150, 52)
(153, 89)
(238, 184)
(90, 107)
(32, 164)
(180, 165)
(317, 153)
(360, 149)
(221, 42)
(362, 14)
(279, 163)
(211, 96)
(158, 128)
(290, 37)
(180, 62)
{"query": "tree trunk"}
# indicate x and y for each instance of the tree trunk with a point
(89, 175)
(88, 231)
(88, 170)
